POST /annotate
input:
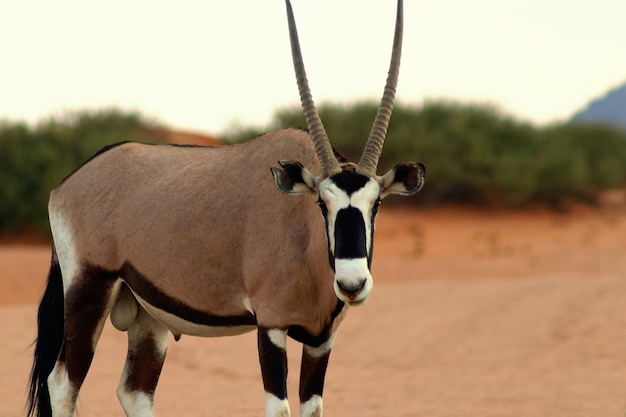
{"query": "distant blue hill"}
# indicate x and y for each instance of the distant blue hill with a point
(610, 108)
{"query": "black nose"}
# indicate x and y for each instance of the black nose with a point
(351, 289)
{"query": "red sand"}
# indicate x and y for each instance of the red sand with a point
(472, 314)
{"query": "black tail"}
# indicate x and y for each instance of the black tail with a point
(49, 341)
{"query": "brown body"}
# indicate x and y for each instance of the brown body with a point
(207, 248)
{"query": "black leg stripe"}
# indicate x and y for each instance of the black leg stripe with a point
(273, 360)
(312, 374)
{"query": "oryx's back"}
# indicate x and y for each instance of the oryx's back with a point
(177, 212)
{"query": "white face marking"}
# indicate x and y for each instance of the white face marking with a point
(364, 200)
(337, 199)
(61, 391)
(275, 407)
(324, 348)
(312, 408)
(351, 272)
(278, 337)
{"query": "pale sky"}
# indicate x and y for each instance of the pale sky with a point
(204, 65)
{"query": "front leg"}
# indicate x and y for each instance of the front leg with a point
(273, 359)
(312, 373)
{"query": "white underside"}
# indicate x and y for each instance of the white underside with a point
(182, 326)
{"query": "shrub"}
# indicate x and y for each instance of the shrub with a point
(34, 160)
(475, 153)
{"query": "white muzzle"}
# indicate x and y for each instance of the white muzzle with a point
(353, 280)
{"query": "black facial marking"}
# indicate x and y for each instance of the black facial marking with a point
(324, 209)
(350, 181)
(372, 220)
(376, 207)
(350, 239)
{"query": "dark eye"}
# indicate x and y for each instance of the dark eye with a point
(323, 207)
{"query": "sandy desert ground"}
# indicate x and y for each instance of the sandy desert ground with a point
(473, 314)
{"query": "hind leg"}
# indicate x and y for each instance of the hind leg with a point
(147, 345)
(88, 300)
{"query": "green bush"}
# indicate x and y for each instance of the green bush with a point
(477, 154)
(473, 153)
(34, 160)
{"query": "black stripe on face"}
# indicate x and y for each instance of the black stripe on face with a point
(350, 240)
(324, 209)
(372, 228)
(349, 182)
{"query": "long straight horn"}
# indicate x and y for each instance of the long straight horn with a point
(329, 163)
(374, 146)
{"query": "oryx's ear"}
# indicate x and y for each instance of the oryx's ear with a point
(403, 179)
(293, 178)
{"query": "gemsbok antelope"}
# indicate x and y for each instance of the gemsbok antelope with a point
(196, 241)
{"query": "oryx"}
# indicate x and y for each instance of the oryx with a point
(196, 240)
